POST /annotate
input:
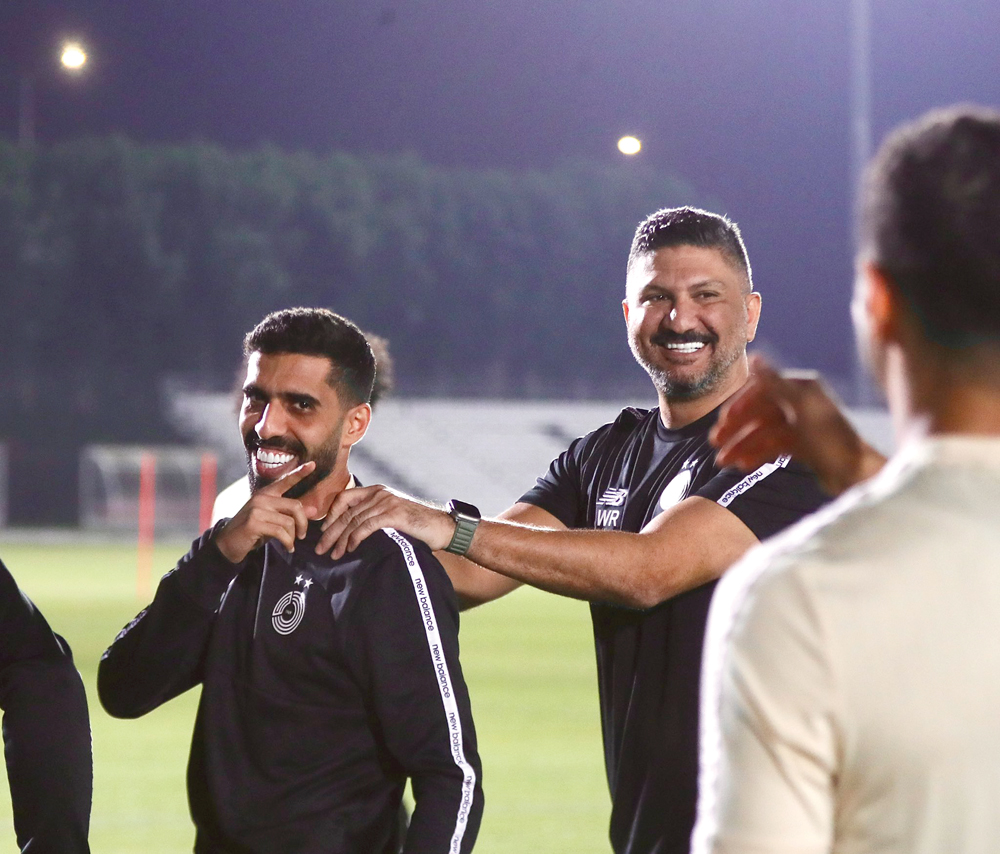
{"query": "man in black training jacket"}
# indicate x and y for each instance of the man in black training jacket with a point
(669, 521)
(326, 683)
(46, 729)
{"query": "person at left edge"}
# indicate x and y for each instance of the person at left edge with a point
(46, 730)
(325, 683)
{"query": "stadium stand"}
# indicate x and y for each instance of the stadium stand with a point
(485, 450)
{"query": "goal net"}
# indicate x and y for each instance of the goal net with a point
(129, 489)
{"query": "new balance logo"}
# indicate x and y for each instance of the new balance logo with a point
(613, 497)
(607, 515)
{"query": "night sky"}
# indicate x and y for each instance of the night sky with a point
(747, 100)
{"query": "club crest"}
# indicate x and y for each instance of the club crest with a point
(677, 490)
(291, 608)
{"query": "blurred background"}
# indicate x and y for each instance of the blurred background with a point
(447, 174)
(444, 173)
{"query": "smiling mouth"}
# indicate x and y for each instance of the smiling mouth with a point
(269, 460)
(685, 347)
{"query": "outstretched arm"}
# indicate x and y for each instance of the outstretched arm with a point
(794, 414)
(475, 584)
(684, 547)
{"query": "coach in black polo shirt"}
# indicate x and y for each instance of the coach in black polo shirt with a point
(690, 310)
(326, 683)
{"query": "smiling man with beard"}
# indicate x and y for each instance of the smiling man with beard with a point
(670, 522)
(326, 683)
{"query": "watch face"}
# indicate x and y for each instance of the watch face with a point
(463, 508)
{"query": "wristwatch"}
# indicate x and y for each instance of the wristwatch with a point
(466, 518)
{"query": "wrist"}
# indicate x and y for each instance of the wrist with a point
(863, 461)
(227, 548)
(466, 518)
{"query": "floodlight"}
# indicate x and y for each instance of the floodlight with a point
(73, 56)
(629, 145)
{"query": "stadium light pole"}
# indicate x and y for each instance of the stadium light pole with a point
(861, 150)
(26, 109)
(72, 59)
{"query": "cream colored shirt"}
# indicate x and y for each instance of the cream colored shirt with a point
(851, 682)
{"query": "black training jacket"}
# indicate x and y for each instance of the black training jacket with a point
(326, 684)
(46, 729)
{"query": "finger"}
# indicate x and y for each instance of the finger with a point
(761, 366)
(753, 404)
(334, 528)
(290, 507)
(278, 527)
(361, 532)
(347, 500)
(756, 445)
(286, 482)
(347, 540)
(281, 517)
(297, 510)
(729, 451)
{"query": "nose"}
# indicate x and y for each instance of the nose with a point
(682, 316)
(271, 423)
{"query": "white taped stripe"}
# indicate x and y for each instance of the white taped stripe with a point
(752, 478)
(444, 684)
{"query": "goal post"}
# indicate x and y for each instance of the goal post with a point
(146, 490)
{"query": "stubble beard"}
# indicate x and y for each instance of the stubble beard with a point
(677, 389)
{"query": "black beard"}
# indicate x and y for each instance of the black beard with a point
(325, 461)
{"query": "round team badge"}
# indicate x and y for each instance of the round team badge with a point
(675, 491)
(289, 611)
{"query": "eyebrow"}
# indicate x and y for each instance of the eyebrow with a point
(651, 287)
(254, 390)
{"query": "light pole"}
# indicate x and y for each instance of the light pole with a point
(26, 109)
(73, 59)
(861, 149)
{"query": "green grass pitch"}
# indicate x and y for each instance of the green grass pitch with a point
(528, 660)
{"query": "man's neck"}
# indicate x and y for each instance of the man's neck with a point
(318, 499)
(945, 395)
(676, 413)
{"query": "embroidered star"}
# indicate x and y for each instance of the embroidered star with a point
(298, 579)
(307, 583)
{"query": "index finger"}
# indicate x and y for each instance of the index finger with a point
(287, 481)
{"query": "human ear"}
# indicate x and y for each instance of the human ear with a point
(356, 423)
(881, 302)
(752, 303)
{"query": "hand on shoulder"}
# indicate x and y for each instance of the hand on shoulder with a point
(357, 513)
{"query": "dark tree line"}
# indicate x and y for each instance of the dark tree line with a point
(122, 264)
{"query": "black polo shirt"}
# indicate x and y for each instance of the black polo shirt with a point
(619, 478)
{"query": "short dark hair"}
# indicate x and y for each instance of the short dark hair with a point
(930, 219)
(320, 332)
(385, 373)
(689, 226)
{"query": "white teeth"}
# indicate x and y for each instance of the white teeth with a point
(273, 458)
(691, 347)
